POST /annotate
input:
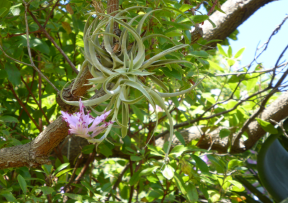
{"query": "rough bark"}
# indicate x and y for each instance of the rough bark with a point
(236, 12)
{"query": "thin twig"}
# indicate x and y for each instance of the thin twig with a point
(23, 106)
(54, 43)
(32, 95)
(50, 13)
(263, 103)
(118, 181)
(29, 51)
(251, 72)
(209, 117)
(14, 59)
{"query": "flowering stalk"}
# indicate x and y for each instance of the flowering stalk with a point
(86, 126)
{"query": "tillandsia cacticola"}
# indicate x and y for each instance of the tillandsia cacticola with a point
(118, 57)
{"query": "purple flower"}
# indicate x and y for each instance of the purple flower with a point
(205, 159)
(79, 123)
(251, 161)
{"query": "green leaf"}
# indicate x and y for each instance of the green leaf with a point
(175, 101)
(268, 127)
(8, 119)
(168, 172)
(138, 113)
(88, 149)
(201, 53)
(136, 158)
(74, 196)
(22, 183)
(61, 167)
(230, 62)
(9, 196)
(237, 185)
(215, 66)
(192, 193)
(87, 186)
(2, 11)
(234, 163)
(40, 45)
(135, 178)
(15, 10)
(13, 74)
(185, 7)
(148, 171)
(199, 18)
(63, 172)
(180, 184)
(172, 74)
(200, 164)
(224, 133)
(156, 151)
(229, 51)
(221, 50)
(47, 190)
(180, 138)
(3, 180)
(178, 150)
(47, 169)
(4, 7)
(239, 53)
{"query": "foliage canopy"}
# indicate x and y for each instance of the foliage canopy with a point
(144, 63)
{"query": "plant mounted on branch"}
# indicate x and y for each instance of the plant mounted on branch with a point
(118, 56)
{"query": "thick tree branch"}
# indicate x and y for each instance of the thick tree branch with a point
(236, 12)
(37, 152)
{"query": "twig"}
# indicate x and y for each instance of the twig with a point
(79, 160)
(263, 103)
(82, 172)
(251, 72)
(14, 59)
(212, 116)
(280, 124)
(54, 43)
(132, 186)
(118, 181)
(50, 13)
(32, 95)
(23, 106)
(15, 35)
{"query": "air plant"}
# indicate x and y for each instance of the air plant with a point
(124, 67)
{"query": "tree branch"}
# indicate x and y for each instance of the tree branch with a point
(236, 12)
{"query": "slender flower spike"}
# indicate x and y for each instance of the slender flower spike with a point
(85, 126)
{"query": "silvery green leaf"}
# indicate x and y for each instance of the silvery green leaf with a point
(158, 82)
(163, 53)
(140, 57)
(159, 101)
(125, 119)
(97, 80)
(174, 94)
(142, 73)
(168, 61)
